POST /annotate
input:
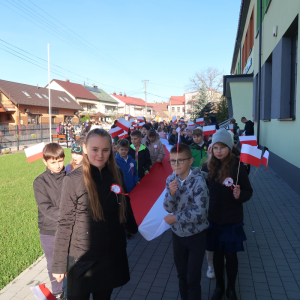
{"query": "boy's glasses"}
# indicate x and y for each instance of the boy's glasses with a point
(178, 161)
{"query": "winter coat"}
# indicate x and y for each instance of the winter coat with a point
(223, 207)
(173, 139)
(249, 128)
(186, 140)
(47, 191)
(143, 162)
(155, 148)
(78, 234)
(198, 153)
(189, 204)
(129, 171)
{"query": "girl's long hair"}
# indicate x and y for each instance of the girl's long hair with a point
(220, 170)
(95, 204)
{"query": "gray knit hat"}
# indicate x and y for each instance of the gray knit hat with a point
(222, 136)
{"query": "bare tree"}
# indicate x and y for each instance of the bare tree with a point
(212, 79)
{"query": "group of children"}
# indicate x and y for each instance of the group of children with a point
(83, 221)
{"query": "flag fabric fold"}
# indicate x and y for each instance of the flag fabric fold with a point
(248, 139)
(200, 121)
(250, 155)
(35, 152)
(115, 131)
(209, 130)
(123, 135)
(265, 159)
(140, 119)
(41, 292)
(124, 124)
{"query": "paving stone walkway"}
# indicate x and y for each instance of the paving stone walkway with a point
(268, 269)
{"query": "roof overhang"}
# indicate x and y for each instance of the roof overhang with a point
(227, 79)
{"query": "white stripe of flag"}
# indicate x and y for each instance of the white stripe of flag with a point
(231, 127)
(250, 155)
(35, 152)
(248, 139)
(140, 119)
(123, 135)
(209, 130)
(115, 131)
(174, 120)
(265, 159)
(124, 124)
(200, 121)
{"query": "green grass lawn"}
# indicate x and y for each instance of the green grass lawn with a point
(19, 234)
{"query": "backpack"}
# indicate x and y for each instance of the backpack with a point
(57, 129)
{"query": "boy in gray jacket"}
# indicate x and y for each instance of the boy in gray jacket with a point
(187, 200)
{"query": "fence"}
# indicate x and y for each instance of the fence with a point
(17, 135)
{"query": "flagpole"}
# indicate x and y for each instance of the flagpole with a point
(253, 176)
(237, 178)
(49, 93)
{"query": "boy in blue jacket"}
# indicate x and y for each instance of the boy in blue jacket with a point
(127, 164)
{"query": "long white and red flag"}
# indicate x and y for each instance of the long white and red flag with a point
(123, 135)
(200, 121)
(124, 124)
(147, 198)
(250, 155)
(35, 152)
(265, 159)
(209, 130)
(248, 139)
(41, 292)
(115, 131)
(174, 120)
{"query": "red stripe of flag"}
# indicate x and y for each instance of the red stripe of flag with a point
(250, 155)
(265, 159)
(122, 123)
(209, 130)
(248, 139)
(115, 131)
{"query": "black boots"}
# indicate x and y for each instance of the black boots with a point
(60, 296)
(231, 294)
(219, 292)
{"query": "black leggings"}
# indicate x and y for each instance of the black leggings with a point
(231, 267)
(103, 295)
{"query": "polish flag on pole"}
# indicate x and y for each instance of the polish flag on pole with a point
(209, 130)
(179, 124)
(132, 121)
(174, 120)
(123, 135)
(243, 134)
(122, 123)
(115, 131)
(250, 155)
(181, 120)
(140, 125)
(140, 119)
(265, 159)
(35, 152)
(178, 131)
(200, 121)
(248, 139)
(42, 293)
(190, 123)
(131, 128)
(150, 215)
(231, 127)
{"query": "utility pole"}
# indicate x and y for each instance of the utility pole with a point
(145, 81)
(49, 96)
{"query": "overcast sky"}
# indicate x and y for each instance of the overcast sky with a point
(116, 44)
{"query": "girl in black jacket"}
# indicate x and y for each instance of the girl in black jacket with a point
(94, 212)
(227, 194)
(173, 139)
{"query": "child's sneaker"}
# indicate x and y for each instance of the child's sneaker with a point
(210, 272)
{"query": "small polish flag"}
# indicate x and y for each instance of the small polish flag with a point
(179, 124)
(115, 131)
(181, 120)
(200, 121)
(231, 127)
(122, 123)
(178, 131)
(41, 292)
(123, 135)
(248, 139)
(190, 123)
(132, 121)
(140, 119)
(35, 152)
(209, 130)
(243, 134)
(250, 155)
(174, 120)
(131, 128)
(265, 159)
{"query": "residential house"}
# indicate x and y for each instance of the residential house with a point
(89, 103)
(135, 107)
(27, 104)
(176, 107)
(108, 106)
(275, 108)
(160, 110)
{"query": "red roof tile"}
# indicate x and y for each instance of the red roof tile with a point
(177, 100)
(161, 109)
(131, 100)
(77, 90)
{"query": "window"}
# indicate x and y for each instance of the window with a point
(26, 94)
(33, 119)
(183, 109)
(39, 95)
(89, 107)
(45, 96)
(266, 89)
(67, 99)
(7, 117)
(61, 99)
(173, 109)
(294, 75)
(265, 5)
(178, 109)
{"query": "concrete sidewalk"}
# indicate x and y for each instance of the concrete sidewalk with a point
(268, 269)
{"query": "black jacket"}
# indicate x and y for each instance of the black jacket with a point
(249, 128)
(144, 160)
(78, 234)
(223, 207)
(173, 139)
(47, 191)
(186, 140)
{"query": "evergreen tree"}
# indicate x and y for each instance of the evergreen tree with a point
(222, 113)
(200, 103)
